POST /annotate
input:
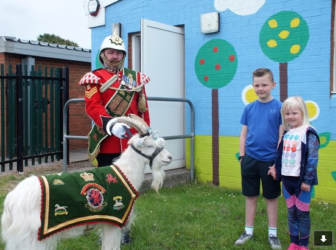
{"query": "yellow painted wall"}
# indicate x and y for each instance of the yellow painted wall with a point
(229, 167)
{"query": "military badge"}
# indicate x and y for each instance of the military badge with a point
(116, 40)
(118, 203)
(95, 200)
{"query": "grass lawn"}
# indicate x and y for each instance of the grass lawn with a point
(196, 216)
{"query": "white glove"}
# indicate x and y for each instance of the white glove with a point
(118, 130)
(109, 125)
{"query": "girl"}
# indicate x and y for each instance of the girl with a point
(295, 166)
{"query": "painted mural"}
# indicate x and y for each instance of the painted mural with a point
(282, 38)
(216, 65)
(292, 38)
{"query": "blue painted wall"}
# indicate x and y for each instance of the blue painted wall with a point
(308, 74)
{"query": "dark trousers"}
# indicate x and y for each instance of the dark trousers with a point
(106, 159)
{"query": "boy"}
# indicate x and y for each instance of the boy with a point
(259, 138)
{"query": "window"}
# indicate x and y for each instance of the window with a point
(134, 51)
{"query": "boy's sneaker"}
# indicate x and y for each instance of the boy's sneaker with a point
(243, 238)
(274, 242)
(293, 246)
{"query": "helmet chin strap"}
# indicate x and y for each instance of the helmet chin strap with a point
(112, 66)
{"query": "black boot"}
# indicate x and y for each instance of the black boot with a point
(125, 237)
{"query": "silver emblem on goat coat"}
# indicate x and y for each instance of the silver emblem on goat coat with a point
(60, 210)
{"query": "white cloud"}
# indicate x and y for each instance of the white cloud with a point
(239, 7)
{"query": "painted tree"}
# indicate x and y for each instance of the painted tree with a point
(283, 38)
(215, 66)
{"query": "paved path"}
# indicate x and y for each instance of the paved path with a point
(78, 159)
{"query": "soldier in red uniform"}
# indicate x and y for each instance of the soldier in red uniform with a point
(110, 92)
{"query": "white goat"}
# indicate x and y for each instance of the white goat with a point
(22, 207)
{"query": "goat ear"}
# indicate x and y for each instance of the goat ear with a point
(161, 142)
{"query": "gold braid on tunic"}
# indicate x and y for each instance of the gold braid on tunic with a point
(116, 67)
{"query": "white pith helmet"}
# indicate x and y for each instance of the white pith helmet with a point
(112, 42)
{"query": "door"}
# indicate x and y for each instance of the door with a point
(162, 59)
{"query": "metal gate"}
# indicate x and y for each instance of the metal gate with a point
(31, 115)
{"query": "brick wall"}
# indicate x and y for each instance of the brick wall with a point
(79, 123)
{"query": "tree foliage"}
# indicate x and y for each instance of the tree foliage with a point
(51, 38)
(216, 63)
(284, 36)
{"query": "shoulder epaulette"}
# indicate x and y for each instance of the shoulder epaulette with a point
(89, 78)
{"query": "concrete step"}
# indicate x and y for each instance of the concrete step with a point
(173, 177)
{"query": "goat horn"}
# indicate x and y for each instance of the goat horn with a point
(135, 117)
(140, 127)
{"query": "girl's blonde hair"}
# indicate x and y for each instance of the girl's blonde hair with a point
(297, 102)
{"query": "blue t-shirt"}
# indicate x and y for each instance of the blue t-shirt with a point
(263, 121)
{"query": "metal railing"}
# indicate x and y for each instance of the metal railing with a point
(31, 106)
(66, 137)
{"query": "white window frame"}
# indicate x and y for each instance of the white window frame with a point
(136, 52)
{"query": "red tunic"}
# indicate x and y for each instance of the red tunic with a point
(95, 103)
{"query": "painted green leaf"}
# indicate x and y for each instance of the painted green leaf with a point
(237, 156)
(333, 174)
(324, 139)
(98, 64)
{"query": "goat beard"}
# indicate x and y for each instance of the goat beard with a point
(158, 177)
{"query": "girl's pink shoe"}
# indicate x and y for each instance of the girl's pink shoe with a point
(293, 246)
